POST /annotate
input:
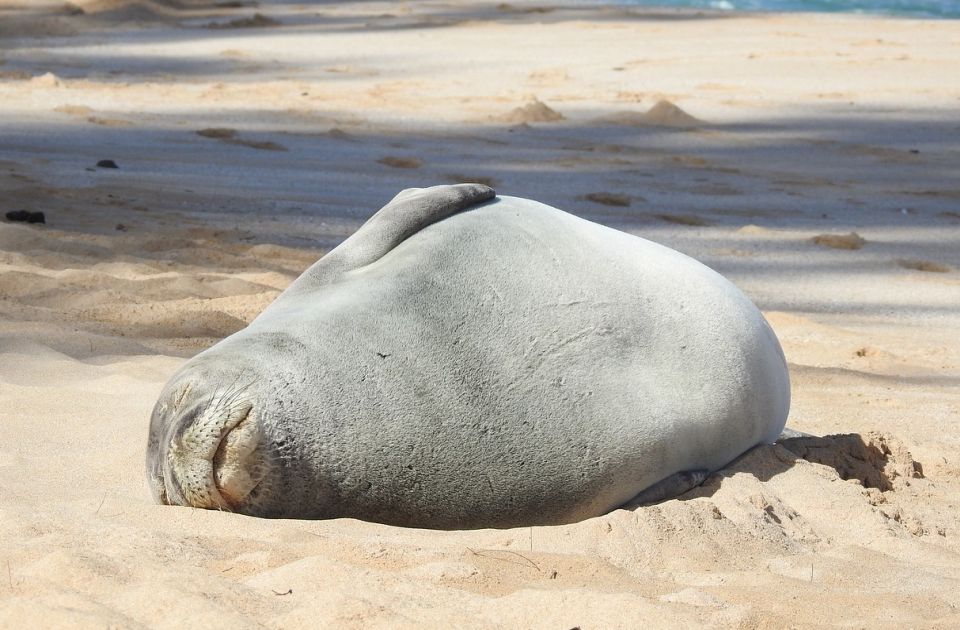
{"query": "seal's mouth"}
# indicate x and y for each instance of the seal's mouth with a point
(212, 462)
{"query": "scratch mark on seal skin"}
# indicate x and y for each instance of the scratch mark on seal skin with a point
(541, 354)
(489, 483)
(178, 400)
(580, 334)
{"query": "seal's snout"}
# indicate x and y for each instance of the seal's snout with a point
(212, 457)
(238, 464)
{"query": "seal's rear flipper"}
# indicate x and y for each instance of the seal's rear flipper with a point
(672, 486)
(406, 214)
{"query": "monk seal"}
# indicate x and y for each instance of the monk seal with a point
(466, 360)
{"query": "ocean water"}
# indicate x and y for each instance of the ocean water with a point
(949, 9)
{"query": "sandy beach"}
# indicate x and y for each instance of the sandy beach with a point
(814, 160)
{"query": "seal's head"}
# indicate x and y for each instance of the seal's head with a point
(207, 447)
(227, 432)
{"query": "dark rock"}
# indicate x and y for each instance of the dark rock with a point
(25, 216)
(107, 164)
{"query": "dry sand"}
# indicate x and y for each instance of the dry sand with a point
(250, 140)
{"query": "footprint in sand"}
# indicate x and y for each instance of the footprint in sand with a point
(109, 122)
(506, 6)
(690, 160)
(225, 134)
(840, 241)
(609, 199)
(355, 71)
(74, 110)
(340, 134)
(264, 145)
(257, 20)
(83, 111)
(549, 76)
(399, 162)
(15, 75)
(683, 219)
(219, 133)
(923, 265)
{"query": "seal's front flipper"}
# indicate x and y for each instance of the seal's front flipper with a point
(406, 214)
(672, 486)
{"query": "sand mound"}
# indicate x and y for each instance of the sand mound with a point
(666, 114)
(877, 460)
(533, 112)
(662, 114)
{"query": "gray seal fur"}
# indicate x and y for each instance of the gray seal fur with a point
(467, 361)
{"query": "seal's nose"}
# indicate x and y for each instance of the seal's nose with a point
(238, 464)
(189, 470)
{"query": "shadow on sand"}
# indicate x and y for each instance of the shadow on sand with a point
(874, 460)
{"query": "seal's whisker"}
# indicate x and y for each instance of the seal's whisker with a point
(233, 394)
(215, 403)
(239, 394)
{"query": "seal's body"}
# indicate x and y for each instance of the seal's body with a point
(466, 361)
